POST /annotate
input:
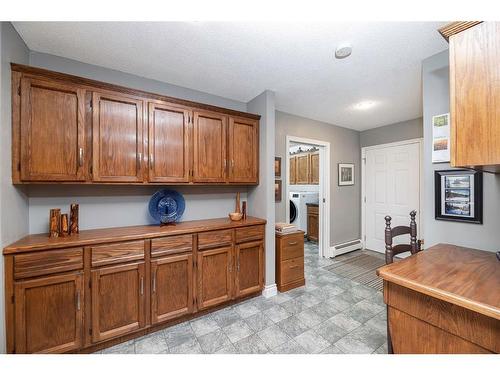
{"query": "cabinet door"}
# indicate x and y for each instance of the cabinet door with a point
(314, 169)
(293, 170)
(209, 147)
(118, 300)
(168, 143)
(49, 314)
(171, 287)
(249, 268)
(302, 170)
(312, 227)
(243, 150)
(117, 138)
(475, 96)
(214, 276)
(52, 131)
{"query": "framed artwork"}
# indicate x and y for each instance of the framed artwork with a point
(277, 166)
(459, 195)
(277, 190)
(441, 138)
(346, 174)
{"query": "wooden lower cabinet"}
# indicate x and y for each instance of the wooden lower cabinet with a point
(49, 314)
(171, 287)
(312, 222)
(118, 300)
(249, 268)
(215, 269)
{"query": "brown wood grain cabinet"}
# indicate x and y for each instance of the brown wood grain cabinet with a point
(68, 129)
(52, 136)
(312, 222)
(302, 174)
(289, 260)
(293, 170)
(314, 169)
(475, 94)
(86, 292)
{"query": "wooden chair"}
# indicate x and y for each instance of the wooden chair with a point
(390, 233)
(391, 251)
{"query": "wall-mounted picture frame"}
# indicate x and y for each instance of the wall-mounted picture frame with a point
(459, 195)
(277, 166)
(277, 190)
(346, 174)
(441, 138)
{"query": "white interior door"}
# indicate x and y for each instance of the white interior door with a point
(392, 187)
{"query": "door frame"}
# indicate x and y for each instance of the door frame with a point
(420, 142)
(325, 250)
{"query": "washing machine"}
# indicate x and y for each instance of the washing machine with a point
(298, 208)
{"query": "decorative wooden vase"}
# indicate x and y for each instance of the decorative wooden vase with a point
(236, 215)
(73, 219)
(54, 222)
(64, 226)
(238, 210)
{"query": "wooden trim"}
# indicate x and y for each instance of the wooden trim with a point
(16, 127)
(92, 84)
(456, 27)
(9, 303)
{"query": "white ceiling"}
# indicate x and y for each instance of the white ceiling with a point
(240, 60)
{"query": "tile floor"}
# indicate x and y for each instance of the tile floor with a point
(331, 315)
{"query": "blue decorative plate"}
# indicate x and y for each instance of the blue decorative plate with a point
(166, 206)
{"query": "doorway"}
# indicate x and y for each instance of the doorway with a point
(307, 189)
(391, 185)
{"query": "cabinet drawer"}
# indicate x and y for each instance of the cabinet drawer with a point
(249, 234)
(292, 246)
(292, 270)
(171, 245)
(47, 262)
(217, 238)
(117, 253)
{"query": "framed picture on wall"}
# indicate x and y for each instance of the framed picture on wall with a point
(459, 195)
(277, 166)
(441, 138)
(346, 174)
(277, 190)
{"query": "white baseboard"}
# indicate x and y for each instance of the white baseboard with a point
(346, 247)
(270, 290)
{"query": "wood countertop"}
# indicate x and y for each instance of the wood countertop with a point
(94, 236)
(465, 277)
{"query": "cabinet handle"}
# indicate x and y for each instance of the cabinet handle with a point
(142, 285)
(151, 161)
(232, 163)
(80, 156)
(238, 266)
(293, 243)
(139, 159)
(294, 267)
(154, 282)
(225, 164)
(78, 300)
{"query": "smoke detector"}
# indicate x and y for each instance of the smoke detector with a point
(343, 50)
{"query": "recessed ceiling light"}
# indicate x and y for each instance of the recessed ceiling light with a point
(364, 105)
(343, 50)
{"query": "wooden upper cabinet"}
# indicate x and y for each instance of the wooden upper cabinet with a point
(49, 314)
(243, 150)
(171, 287)
(314, 169)
(169, 145)
(215, 276)
(302, 174)
(52, 146)
(293, 170)
(209, 147)
(475, 97)
(118, 300)
(117, 138)
(249, 268)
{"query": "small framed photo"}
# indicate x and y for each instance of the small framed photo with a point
(277, 190)
(346, 174)
(277, 166)
(459, 195)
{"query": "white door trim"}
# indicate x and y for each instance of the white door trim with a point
(420, 142)
(324, 190)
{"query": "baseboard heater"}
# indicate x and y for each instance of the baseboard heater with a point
(346, 247)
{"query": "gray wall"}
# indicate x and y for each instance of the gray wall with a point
(435, 77)
(261, 197)
(13, 201)
(108, 206)
(400, 131)
(344, 148)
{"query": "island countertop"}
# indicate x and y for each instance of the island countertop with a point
(462, 276)
(95, 236)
